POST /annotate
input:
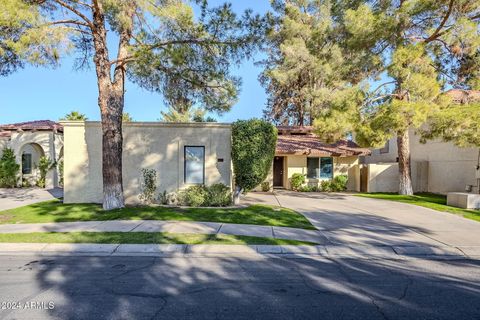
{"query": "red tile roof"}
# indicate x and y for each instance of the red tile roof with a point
(463, 96)
(310, 144)
(33, 125)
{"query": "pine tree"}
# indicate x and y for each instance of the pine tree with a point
(307, 69)
(156, 41)
(418, 46)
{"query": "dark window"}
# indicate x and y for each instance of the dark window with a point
(26, 163)
(326, 168)
(194, 165)
(313, 168)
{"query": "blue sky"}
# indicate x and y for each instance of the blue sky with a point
(46, 93)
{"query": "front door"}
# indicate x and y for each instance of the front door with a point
(278, 171)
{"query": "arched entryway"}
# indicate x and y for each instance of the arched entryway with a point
(30, 154)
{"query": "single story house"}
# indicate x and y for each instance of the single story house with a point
(299, 150)
(30, 141)
(185, 154)
(437, 166)
(182, 154)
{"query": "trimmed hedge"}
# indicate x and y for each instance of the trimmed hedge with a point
(253, 149)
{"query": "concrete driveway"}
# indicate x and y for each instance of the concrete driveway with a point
(13, 198)
(351, 220)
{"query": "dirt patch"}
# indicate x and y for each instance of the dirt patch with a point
(5, 217)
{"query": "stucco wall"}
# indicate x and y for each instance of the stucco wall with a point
(383, 177)
(38, 143)
(158, 146)
(450, 168)
(378, 156)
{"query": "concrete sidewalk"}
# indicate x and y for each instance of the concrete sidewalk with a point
(170, 227)
(200, 250)
(19, 197)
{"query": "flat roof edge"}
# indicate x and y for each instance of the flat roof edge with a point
(151, 124)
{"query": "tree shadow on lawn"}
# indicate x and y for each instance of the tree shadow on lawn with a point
(253, 288)
(56, 211)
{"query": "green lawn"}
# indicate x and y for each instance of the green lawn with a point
(56, 211)
(428, 200)
(141, 238)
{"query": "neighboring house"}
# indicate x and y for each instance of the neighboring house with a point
(30, 141)
(183, 154)
(299, 150)
(437, 166)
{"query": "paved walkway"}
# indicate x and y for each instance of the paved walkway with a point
(13, 198)
(171, 227)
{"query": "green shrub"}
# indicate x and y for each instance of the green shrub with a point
(326, 186)
(149, 186)
(216, 195)
(253, 149)
(194, 196)
(9, 169)
(265, 186)
(45, 164)
(339, 183)
(162, 197)
(297, 180)
(219, 195)
(26, 183)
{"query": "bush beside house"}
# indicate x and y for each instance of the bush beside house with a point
(9, 169)
(45, 164)
(216, 195)
(253, 149)
(297, 181)
(338, 183)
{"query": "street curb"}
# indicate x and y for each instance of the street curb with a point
(202, 250)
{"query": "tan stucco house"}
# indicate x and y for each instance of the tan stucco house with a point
(182, 154)
(437, 166)
(30, 141)
(299, 150)
(185, 154)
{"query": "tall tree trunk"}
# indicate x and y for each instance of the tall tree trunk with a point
(110, 101)
(111, 105)
(404, 167)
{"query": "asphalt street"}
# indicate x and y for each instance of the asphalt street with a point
(237, 287)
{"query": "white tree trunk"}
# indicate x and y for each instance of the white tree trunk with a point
(236, 195)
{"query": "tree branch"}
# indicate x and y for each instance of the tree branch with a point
(80, 23)
(75, 11)
(437, 32)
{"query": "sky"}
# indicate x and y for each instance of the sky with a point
(39, 93)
